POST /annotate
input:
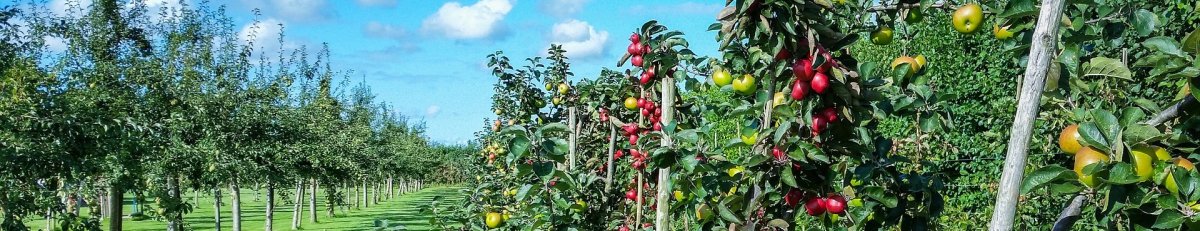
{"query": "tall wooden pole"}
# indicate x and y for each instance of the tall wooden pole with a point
(612, 143)
(661, 221)
(1045, 35)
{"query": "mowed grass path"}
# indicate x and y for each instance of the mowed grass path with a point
(404, 209)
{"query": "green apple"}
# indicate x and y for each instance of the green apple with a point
(968, 18)
(721, 77)
(882, 35)
(745, 84)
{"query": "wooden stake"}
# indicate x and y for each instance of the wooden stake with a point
(1040, 55)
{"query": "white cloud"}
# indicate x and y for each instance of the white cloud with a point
(264, 36)
(579, 39)
(562, 8)
(476, 21)
(381, 30)
(432, 111)
(382, 3)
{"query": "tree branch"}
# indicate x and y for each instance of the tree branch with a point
(1171, 112)
(942, 4)
(1070, 214)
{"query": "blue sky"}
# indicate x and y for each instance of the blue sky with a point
(428, 58)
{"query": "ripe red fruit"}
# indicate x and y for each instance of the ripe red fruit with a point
(646, 48)
(636, 60)
(778, 154)
(803, 70)
(815, 206)
(828, 59)
(783, 55)
(800, 90)
(637, 164)
(642, 103)
(818, 124)
(623, 228)
(631, 194)
(836, 204)
(793, 197)
(553, 182)
(630, 128)
(634, 49)
(820, 82)
(646, 77)
(635, 38)
(633, 139)
(830, 114)
(657, 126)
(617, 155)
(657, 111)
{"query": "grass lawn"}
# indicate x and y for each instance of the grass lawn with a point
(403, 209)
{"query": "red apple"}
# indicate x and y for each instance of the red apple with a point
(633, 139)
(803, 70)
(631, 194)
(793, 197)
(815, 206)
(783, 55)
(818, 124)
(820, 82)
(778, 154)
(636, 60)
(617, 155)
(836, 204)
(800, 90)
(646, 49)
(634, 49)
(635, 38)
(830, 114)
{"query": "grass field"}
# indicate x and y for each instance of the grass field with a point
(403, 209)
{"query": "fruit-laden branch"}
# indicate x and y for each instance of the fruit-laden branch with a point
(1041, 54)
(1070, 214)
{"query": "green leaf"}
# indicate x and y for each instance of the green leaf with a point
(517, 147)
(1139, 134)
(1122, 173)
(1168, 219)
(1019, 8)
(543, 169)
(1191, 43)
(1043, 176)
(879, 194)
(1145, 22)
(1107, 123)
(1106, 67)
(524, 191)
(931, 123)
(787, 177)
(1131, 115)
(1165, 45)
(1093, 137)
(726, 214)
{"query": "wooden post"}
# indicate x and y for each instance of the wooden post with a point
(1040, 55)
(661, 220)
(612, 142)
(571, 124)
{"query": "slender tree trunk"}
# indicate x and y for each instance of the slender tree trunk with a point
(378, 189)
(236, 203)
(608, 170)
(173, 223)
(357, 196)
(296, 207)
(50, 219)
(114, 206)
(366, 198)
(270, 216)
(257, 190)
(217, 208)
(391, 194)
(312, 202)
(330, 202)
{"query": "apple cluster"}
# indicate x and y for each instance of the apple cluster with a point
(636, 49)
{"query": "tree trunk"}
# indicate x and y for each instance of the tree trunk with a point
(571, 138)
(257, 190)
(608, 171)
(312, 202)
(377, 192)
(391, 194)
(270, 216)
(217, 208)
(1040, 55)
(297, 207)
(236, 203)
(173, 222)
(366, 198)
(114, 206)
